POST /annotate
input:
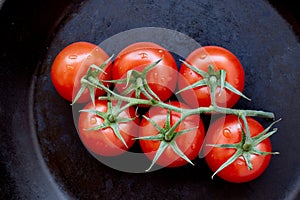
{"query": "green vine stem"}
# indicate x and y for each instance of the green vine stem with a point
(213, 79)
(214, 108)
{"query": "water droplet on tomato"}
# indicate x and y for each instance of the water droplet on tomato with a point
(163, 79)
(240, 162)
(193, 146)
(143, 55)
(70, 67)
(93, 120)
(203, 56)
(97, 49)
(236, 81)
(72, 57)
(227, 133)
(155, 75)
(160, 51)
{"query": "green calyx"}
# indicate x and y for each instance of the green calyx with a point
(247, 146)
(111, 119)
(136, 82)
(213, 78)
(90, 80)
(167, 137)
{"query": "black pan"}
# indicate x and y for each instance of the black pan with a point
(41, 154)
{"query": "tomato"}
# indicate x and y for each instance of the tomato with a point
(105, 142)
(221, 59)
(227, 130)
(72, 63)
(189, 143)
(161, 79)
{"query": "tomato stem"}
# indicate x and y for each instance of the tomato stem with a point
(167, 137)
(246, 147)
(208, 110)
(248, 140)
(213, 86)
(136, 82)
(212, 83)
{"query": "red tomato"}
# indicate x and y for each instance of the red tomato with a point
(161, 79)
(227, 130)
(72, 63)
(189, 143)
(105, 142)
(220, 58)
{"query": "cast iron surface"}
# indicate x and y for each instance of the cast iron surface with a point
(41, 154)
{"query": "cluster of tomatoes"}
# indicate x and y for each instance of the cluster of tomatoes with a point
(171, 133)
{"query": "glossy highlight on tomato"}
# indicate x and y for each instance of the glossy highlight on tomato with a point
(161, 79)
(221, 59)
(227, 130)
(71, 64)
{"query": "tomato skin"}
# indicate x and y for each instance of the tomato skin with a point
(189, 143)
(220, 58)
(227, 130)
(161, 79)
(104, 142)
(72, 63)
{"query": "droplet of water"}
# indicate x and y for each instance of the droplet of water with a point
(203, 56)
(70, 67)
(163, 79)
(160, 51)
(93, 120)
(72, 57)
(236, 81)
(155, 75)
(193, 146)
(227, 133)
(97, 49)
(240, 162)
(143, 55)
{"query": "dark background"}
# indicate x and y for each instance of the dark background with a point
(41, 159)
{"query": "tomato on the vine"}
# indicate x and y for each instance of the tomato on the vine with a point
(72, 63)
(221, 59)
(189, 143)
(161, 79)
(227, 130)
(104, 141)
